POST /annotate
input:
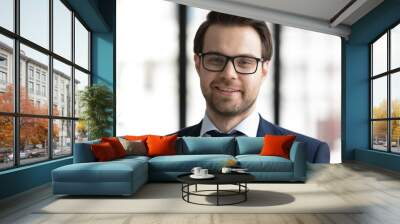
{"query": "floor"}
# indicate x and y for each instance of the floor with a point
(379, 188)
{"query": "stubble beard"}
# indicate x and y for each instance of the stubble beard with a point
(219, 106)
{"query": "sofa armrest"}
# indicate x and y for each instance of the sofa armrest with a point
(298, 155)
(83, 152)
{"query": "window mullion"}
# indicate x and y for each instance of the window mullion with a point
(73, 82)
(50, 81)
(16, 84)
(389, 114)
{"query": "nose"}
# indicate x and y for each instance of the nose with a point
(229, 71)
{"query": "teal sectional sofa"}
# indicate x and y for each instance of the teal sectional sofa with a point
(125, 176)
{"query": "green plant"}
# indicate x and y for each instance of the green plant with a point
(96, 102)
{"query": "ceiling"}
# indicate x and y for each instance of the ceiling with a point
(326, 16)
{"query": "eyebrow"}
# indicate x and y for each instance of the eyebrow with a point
(245, 55)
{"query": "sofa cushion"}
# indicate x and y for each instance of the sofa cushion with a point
(161, 145)
(185, 163)
(277, 145)
(136, 137)
(134, 147)
(249, 145)
(206, 145)
(103, 151)
(257, 163)
(111, 171)
(116, 145)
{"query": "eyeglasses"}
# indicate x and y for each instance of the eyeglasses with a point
(216, 62)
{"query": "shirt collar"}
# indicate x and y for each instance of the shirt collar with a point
(248, 126)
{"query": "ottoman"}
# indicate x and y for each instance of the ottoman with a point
(118, 177)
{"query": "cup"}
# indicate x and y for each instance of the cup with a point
(226, 170)
(196, 170)
(203, 172)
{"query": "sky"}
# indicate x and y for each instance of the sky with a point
(35, 27)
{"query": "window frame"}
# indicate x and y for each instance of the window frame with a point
(388, 74)
(15, 71)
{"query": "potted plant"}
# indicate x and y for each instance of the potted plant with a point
(96, 102)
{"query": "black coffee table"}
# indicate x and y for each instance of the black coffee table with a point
(239, 179)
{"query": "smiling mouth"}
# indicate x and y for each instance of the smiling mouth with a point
(226, 91)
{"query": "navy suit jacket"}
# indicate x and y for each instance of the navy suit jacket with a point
(317, 151)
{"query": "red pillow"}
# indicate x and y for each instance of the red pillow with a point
(116, 145)
(103, 151)
(277, 145)
(161, 145)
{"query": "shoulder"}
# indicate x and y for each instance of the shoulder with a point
(269, 128)
(190, 131)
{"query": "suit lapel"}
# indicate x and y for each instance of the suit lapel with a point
(265, 127)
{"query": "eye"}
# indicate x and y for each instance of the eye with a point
(245, 61)
(215, 59)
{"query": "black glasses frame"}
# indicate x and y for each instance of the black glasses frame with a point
(228, 58)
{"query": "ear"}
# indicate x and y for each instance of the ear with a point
(264, 69)
(197, 63)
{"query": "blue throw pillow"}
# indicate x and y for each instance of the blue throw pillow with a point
(207, 145)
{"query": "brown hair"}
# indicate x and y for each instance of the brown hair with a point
(230, 20)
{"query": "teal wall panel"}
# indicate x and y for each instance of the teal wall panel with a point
(24, 178)
(377, 158)
(102, 59)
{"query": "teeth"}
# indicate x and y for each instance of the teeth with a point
(227, 90)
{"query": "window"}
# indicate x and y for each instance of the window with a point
(30, 87)
(43, 90)
(7, 14)
(37, 89)
(54, 125)
(155, 70)
(35, 21)
(385, 94)
(3, 72)
(30, 72)
(62, 75)
(37, 74)
(310, 86)
(43, 77)
(3, 61)
(3, 78)
(62, 29)
(6, 71)
(81, 45)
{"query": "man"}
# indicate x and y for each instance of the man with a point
(231, 56)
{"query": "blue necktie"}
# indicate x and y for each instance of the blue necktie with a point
(215, 133)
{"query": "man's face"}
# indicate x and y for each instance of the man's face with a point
(228, 93)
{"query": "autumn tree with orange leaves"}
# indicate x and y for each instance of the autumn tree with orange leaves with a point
(380, 128)
(34, 130)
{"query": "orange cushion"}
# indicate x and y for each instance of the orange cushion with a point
(277, 145)
(161, 145)
(116, 145)
(103, 151)
(135, 138)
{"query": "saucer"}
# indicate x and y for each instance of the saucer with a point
(208, 176)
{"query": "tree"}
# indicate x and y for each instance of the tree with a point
(380, 127)
(33, 131)
(97, 104)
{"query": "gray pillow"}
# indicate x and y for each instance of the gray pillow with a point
(134, 147)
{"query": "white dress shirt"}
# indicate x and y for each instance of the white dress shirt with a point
(248, 126)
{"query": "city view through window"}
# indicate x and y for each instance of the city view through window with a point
(385, 87)
(42, 120)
